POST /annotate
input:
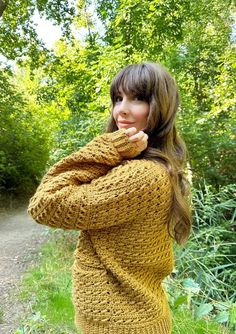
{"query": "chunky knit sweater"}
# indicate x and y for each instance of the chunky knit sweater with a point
(121, 205)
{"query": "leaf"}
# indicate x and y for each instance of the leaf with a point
(180, 301)
(222, 317)
(203, 310)
(152, 8)
(232, 316)
(190, 284)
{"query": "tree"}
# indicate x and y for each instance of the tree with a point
(192, 39)
(18, 37)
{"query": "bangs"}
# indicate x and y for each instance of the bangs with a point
(134, 80)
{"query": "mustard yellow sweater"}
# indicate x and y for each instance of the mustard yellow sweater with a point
(124, 251)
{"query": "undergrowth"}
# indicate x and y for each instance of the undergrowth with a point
(205, 278)
(47, 288)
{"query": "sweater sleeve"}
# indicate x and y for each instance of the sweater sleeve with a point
(91, 188)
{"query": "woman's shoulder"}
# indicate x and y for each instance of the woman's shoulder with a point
(137, 172)
(146, 163)
(153, 168)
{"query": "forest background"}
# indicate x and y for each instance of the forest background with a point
(53, 101)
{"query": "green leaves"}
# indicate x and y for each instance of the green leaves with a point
(190, 285)
(204, 280)
(232, 316)
(203, 310)
(187, 297)
(180, 300)
(18, 37)
(222, 317)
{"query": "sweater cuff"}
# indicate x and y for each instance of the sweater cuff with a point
(124, 146)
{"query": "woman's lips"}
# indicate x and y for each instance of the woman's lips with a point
(124, 124)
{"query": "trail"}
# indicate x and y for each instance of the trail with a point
(20, 238)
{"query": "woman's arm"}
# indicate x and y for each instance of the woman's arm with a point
(67, 197)
(97, 157)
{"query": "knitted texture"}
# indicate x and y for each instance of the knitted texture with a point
(124, 250)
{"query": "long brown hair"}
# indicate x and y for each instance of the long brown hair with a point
(154, 84)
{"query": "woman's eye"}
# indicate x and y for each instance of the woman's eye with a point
(118, 99)
(138, 98)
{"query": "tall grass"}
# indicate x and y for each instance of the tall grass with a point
(205, 275)
(47, 288)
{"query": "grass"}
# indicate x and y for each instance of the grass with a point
(1, 315)
(47, 287)
(184, 323)
(47, 290)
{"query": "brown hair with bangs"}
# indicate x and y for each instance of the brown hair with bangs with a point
(154, 84)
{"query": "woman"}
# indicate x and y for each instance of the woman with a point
(126, 192)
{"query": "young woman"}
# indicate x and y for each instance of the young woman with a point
(126, 192)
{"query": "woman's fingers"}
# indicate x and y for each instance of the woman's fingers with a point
(131, 131)
(140, 138)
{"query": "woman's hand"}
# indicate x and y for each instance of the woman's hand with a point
(140, 138)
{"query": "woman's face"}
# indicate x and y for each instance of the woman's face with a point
(130, 111)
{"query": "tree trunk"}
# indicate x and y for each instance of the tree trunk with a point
(3, 6)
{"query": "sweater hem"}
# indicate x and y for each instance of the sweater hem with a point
(162, 326)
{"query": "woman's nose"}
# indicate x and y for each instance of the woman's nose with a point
(124, 107)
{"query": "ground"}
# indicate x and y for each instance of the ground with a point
(20, 241)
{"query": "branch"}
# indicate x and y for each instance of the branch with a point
(86, 15)
(3, 6)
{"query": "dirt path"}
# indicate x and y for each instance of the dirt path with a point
(20, 238)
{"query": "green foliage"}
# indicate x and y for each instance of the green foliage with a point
(204, 281)
(38, 324)
(215, 123)
(183, 295)
(17, 25)
(80, 89)
(146, 25)
(20, 135)
(185, 321)
(196, 45)
(192, 39)
(47, 288)
(35, 325)
(204, 67)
